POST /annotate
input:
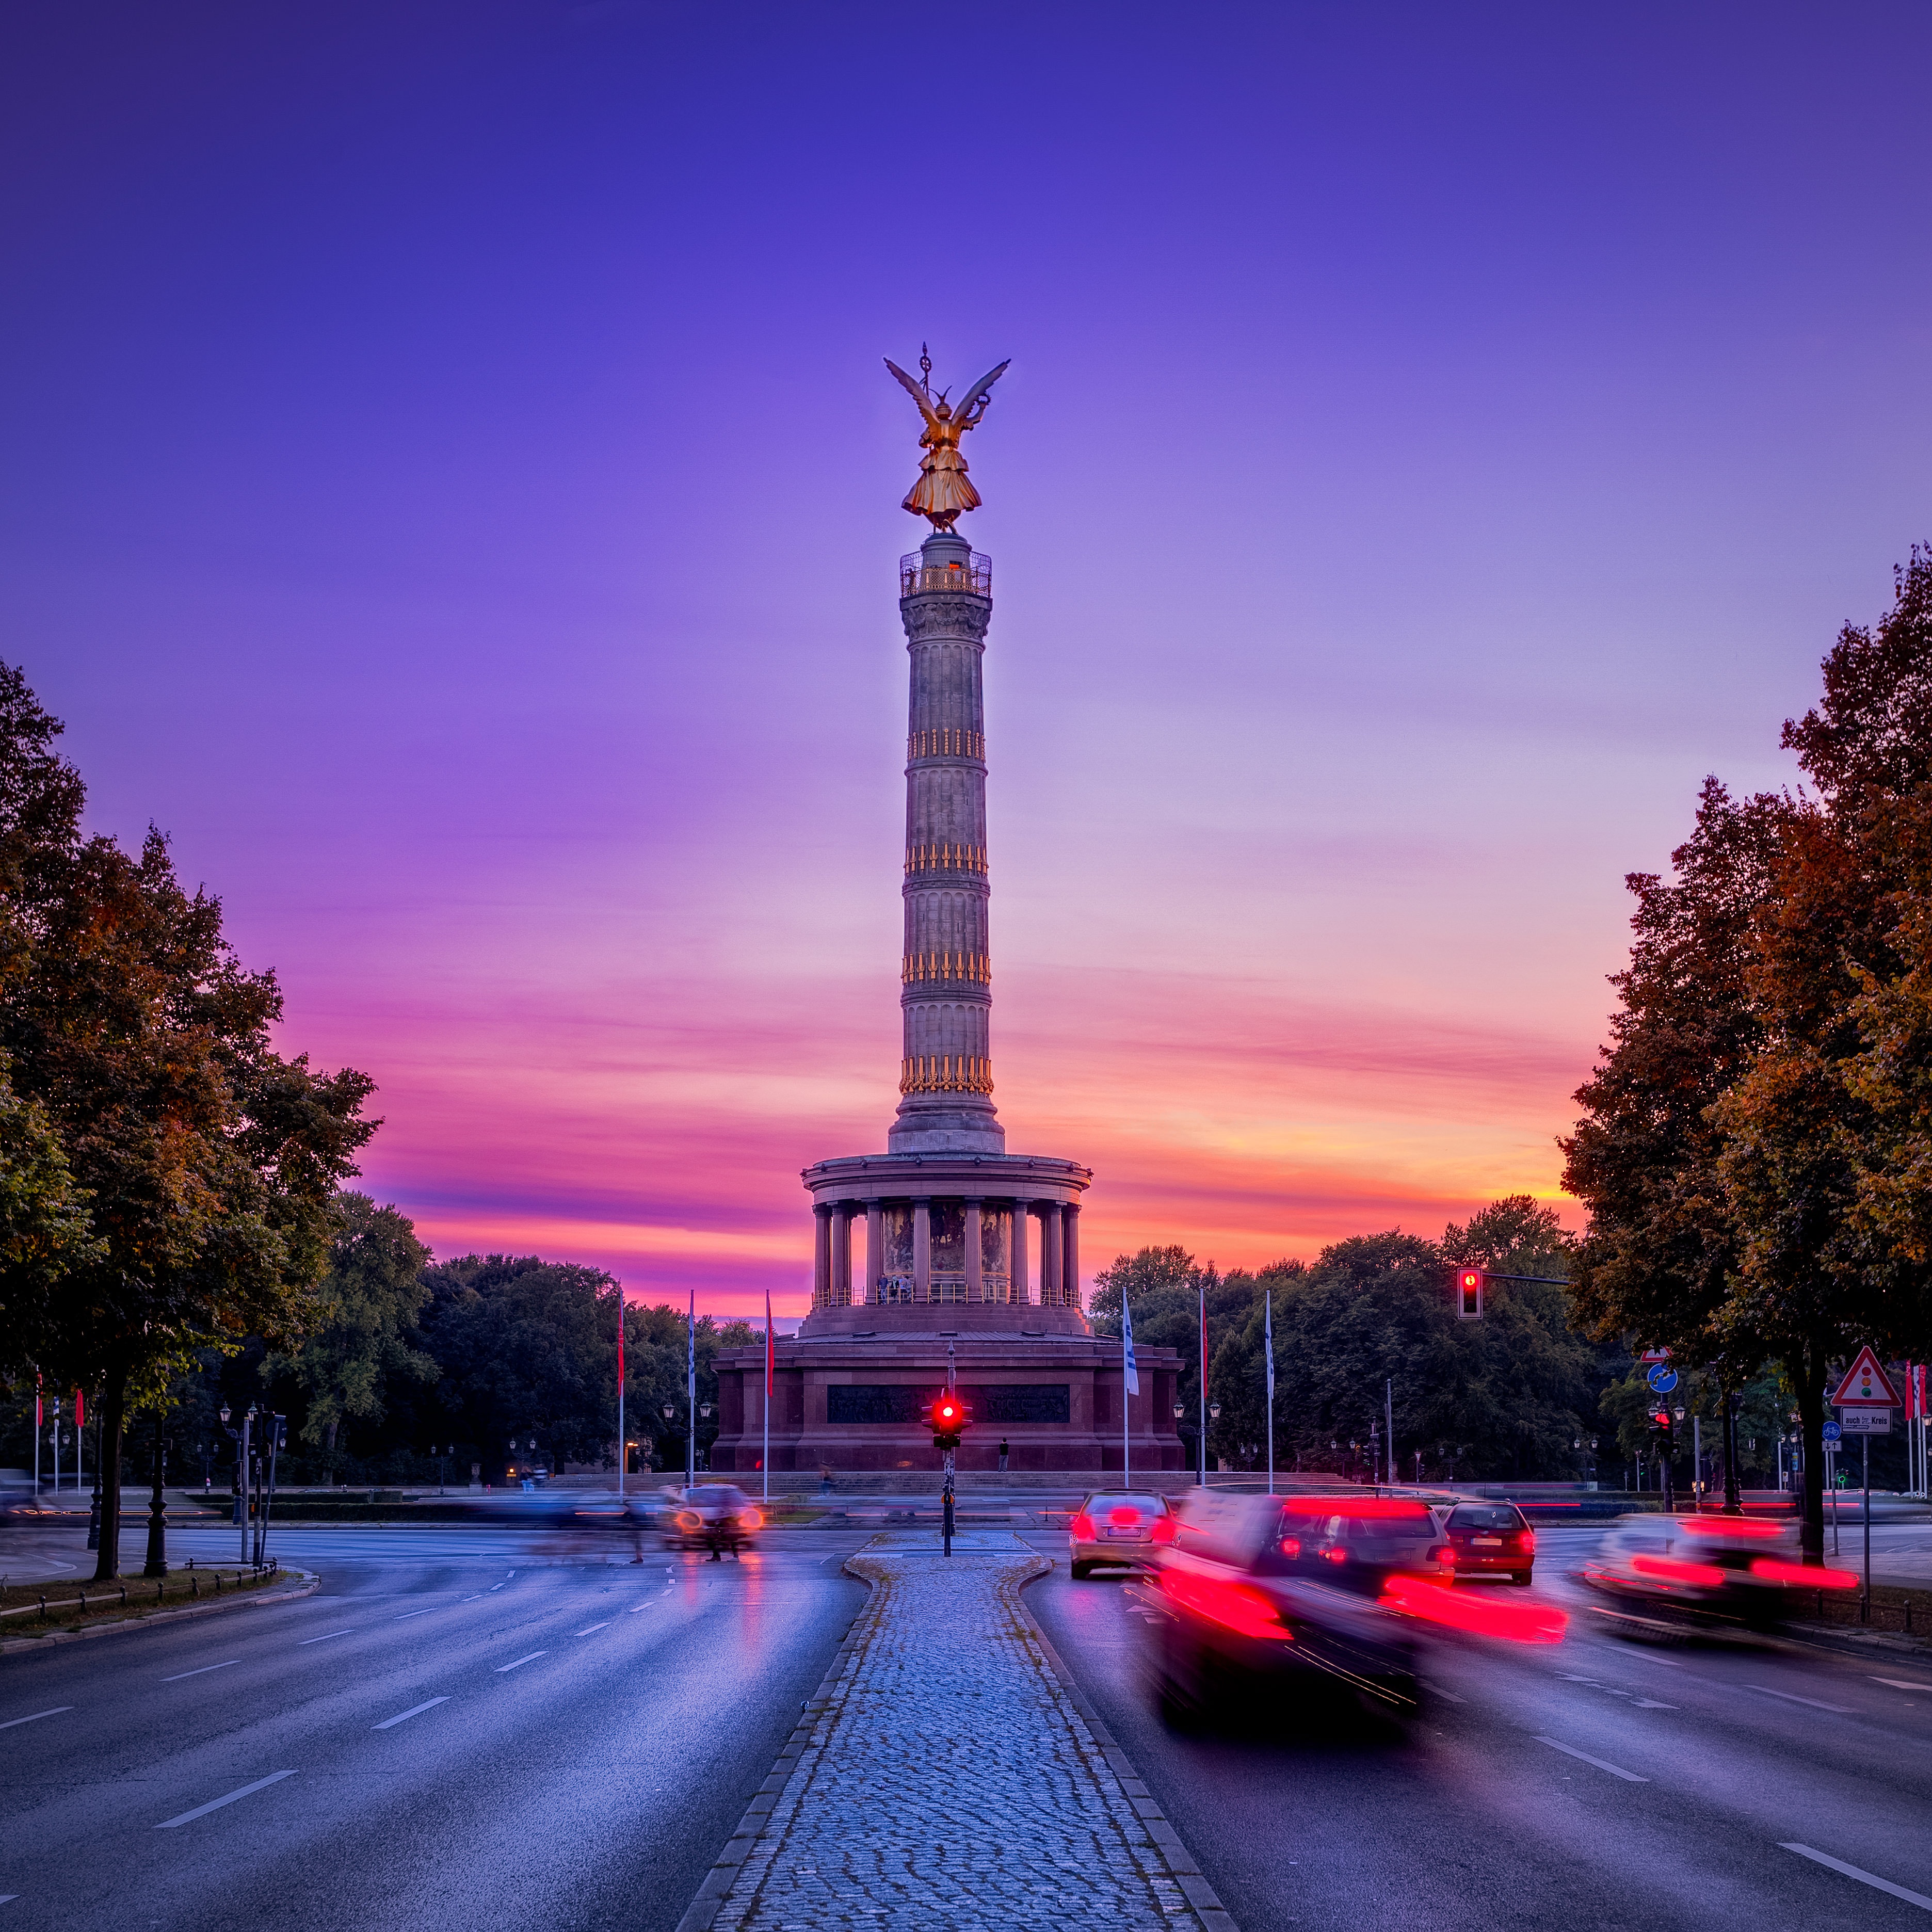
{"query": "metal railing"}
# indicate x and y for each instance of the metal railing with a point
(974, 579)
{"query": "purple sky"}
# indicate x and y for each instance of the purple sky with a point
(448, 481)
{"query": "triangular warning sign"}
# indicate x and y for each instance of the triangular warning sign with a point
(1865, 1386)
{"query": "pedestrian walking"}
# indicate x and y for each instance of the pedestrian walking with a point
(1002, 1455)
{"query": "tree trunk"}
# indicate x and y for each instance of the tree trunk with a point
(1806, 1372)
(113, 1413)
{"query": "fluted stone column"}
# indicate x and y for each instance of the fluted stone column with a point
(875, 1241)
(1022, 1214)
(1052, 1254)
(975, 1261)
(821, 1257)
(946, 1076)
(922, 1251)
(1069, 1274)
(841, 1255)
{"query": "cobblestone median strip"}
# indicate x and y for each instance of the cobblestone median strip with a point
(944, 1774)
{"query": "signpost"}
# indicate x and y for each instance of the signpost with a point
(1865, 1400)
(1661, 1378)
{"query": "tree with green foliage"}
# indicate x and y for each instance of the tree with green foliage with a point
(361, 1339)
(206, 1163)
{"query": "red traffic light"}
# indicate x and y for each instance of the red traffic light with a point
(947, 1413)
(1469, 1292)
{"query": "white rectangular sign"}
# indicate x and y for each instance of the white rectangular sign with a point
(1865, 1421)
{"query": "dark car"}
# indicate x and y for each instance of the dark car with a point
(1359, 1542)
(714, 1517)
(1239, 1618)
(1710, 1569)
(1490, 1540)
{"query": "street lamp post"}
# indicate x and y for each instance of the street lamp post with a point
(156, 1564)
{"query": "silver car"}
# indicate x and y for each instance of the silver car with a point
(1118, 1528)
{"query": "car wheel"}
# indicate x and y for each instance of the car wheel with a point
(1080, 1571)
(1519, 1576)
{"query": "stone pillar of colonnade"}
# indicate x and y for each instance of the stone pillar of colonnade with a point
(875, 1237)
(821, 1257)
(1052, 1254)
(922, 1251)
(1070, 1272)
(841, 1255)
(1021, 1213)
(976, 1277)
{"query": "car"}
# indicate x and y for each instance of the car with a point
(1488, 1539)
(716, 1517)
(1358, 1542)
(1117, 1528)
(1699, 1568)
(1237, 1619)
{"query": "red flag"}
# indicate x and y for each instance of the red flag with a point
(80, 1412)
(620, 1337)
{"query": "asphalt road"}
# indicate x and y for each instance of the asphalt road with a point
(444, 1736)
(1594, 1784)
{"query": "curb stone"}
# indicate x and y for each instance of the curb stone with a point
(1181, 1865)
(310, 1583)
(702, 1914)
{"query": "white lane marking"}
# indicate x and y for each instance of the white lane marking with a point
(1651, 1704)
(407, 1614)
(1570, 1677)
(7, 1898)
(403, 1717)
(1435, 1689)
(323, 1639)
(34, 1720)
(1844, 1710)
(202, 1672)
(1602, 1764)
(494, 1588)
(1668, 1663)
(216, 1804)
(593, 1628)
(1917, 1898)
(531, 1659)
(643, 1606)
(1897, 1683)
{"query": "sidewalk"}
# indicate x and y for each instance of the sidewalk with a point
(943, 1778)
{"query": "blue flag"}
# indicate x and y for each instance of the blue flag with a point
(1129, 1365)
(1267, 1333)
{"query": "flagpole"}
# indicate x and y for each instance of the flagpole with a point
(770, 1361)
(690, 1394)
(1268, 1342)
(622, 1458)
(1201, 1472)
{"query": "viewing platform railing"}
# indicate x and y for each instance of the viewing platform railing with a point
(917, 577)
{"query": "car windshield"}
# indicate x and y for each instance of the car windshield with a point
(1106, 1505)
(1486, 1516)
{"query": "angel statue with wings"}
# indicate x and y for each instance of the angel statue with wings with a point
(944, 489)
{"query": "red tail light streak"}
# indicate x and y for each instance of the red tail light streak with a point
(1460, 1609)
(1080, 1527)
(1233, 1605)
(1674, 1570)
(1806, 1576)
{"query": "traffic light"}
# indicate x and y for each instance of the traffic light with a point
(1469, 1293)
(948, 1419)
(1660, 1428)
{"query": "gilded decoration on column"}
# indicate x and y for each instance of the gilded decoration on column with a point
(944, 492)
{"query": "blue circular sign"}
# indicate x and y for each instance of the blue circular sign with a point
(1662, 1377)
(1832, 1433)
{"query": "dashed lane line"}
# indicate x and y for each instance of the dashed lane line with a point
(1871, 1879)
(1790, 1697)
(1602, 1764)
(34, 1719)
(325, 1637)
(594, 1628)
(216, 1804)
(1897, 1684)
(407, 1614)
(520, 1661)
(403, 1717)
(202, 1672)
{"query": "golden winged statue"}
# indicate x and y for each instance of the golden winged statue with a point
(944, 491)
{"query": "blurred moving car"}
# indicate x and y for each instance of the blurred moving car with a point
(1117, 1528)
(1359, 1542)
(1488, 1540)
(1238, 1615)
(1742, 1570)
(714, 1517)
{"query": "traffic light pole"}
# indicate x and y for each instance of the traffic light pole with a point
(946, 1491)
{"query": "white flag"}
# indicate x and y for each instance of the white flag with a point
(1129, 1367)
(1268, 1332)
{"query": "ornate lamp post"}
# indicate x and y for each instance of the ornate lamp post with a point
(156, 1564)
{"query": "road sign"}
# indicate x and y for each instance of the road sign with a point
(1655, 1355)
(1866, 1422)
(1662, 1379)
(1865, 1386)
(1831, 1432)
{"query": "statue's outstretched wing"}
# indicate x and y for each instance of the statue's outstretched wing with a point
(915, 390)
(977, 393)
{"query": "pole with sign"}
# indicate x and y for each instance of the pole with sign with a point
(1864, 1400)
